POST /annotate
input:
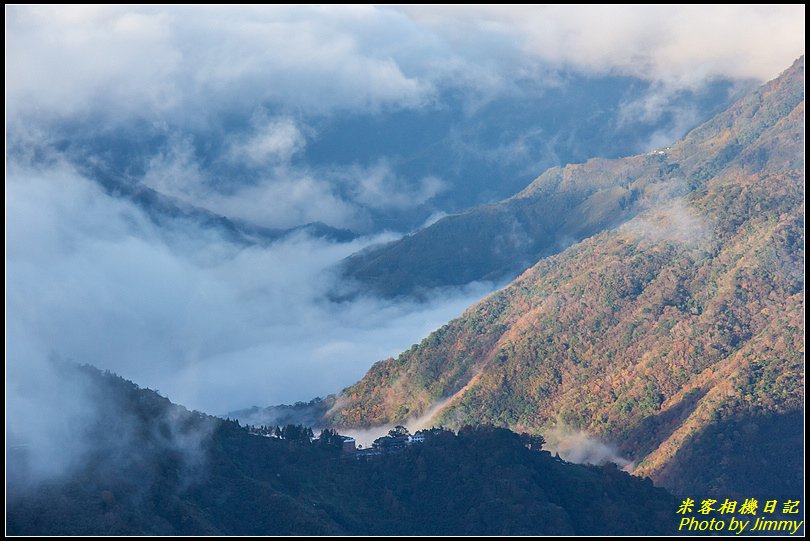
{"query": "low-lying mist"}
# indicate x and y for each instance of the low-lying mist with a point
(366, 436)
(581, 448)
(213, 326)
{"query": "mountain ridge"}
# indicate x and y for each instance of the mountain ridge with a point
(616, 330)
(165, 210)
(155, 468)
(562, 206)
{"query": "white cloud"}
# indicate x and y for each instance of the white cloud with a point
(272, 140)
(64, 61)
(286, 195)
(175, 172)
(153, 61)
(669, 219)
(379, 187)
(211, 325)
(289, 197)
(192, 70)
(282, 197)
(577, 446)
(678, 44)
(657, 101)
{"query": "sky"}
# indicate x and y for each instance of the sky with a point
(122, 62)
(219, 107)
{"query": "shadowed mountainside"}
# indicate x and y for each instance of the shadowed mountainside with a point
(154, 468)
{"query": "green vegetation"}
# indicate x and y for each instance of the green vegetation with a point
(140, 479)
(566, 205)
(655, 334)
(499, 241)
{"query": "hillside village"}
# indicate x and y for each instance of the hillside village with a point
(397, 439)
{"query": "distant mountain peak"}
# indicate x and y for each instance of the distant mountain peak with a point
(565, 205)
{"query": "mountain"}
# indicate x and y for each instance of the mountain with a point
(166, 211)
(485, 148)
(155, 468)
(397, 166)
(678, 334)
(499, 241)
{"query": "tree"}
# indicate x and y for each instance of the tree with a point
(297, 433)
(399, 431)
(330, 439)
(534, 442)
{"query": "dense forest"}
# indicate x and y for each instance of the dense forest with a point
(683, 323)
(156, 468)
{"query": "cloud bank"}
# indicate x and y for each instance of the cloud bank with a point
(154, 61)
(676, 44)
(214, 326)
(220, 106)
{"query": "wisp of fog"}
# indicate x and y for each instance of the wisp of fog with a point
(212, 325)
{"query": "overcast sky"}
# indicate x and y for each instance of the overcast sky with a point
(153, 61)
